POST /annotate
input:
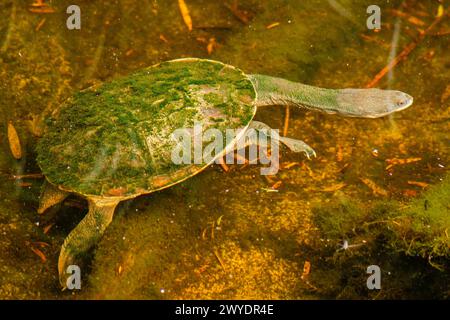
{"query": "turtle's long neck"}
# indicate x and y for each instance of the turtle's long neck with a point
(365, 103)
(277, 91)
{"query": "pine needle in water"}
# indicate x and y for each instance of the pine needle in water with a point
(14, 141)
(185, 14)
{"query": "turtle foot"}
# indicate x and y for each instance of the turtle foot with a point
(84, 237)
(298, 146)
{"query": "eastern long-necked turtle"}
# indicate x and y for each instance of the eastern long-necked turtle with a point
(112, 142)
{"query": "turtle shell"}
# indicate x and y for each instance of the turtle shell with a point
(116, 139)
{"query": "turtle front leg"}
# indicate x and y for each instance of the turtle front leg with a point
(85, 235)
(294, 145)
(50, 196)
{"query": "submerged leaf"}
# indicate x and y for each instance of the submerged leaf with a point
(14, 141)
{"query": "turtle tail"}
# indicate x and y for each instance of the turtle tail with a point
(85, 235)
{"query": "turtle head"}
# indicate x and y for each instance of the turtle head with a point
(372, 103)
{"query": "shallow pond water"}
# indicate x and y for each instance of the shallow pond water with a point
(227, 235)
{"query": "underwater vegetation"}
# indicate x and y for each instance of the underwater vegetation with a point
(410, 243)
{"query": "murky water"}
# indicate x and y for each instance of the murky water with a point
(225, 234)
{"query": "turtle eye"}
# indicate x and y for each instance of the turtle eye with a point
(401, 103)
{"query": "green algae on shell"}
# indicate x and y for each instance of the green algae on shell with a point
(116, 138)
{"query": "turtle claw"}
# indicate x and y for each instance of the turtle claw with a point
(294, 145)
(309, 152)
(298, 146)
(64, 261)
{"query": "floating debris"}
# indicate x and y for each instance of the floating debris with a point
(27, 176)
(129, 53)
(14, 141)
(310, 172)
(201, 269)
(224, 166)
(24, 184)
(41, 244)
(345, 168)
(418, 183)
(374, 187)
(163, 38)
(306, 270)
(269, 190)
(276, 185)
(375, 39)
(36, 251)
(334, 187)
(220, 260)
(212, 44)
(286, 121)
(212, 230)
(48, 227)
(40, 24)
(219, 220)
(204, 233)
(411, 19)
(273, 25)
(290, 165)
(40, 7)
(185, 14)
(440, 11)
(409, 193)
(38, 4)
(339, 154)
(397, 161)
(375, 153)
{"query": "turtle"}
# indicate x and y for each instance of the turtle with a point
(112, 142)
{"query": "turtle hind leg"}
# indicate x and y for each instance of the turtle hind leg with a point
(85, 235)
(50, 196)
